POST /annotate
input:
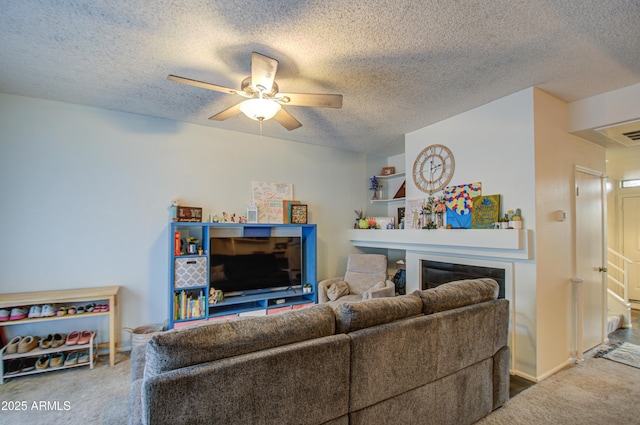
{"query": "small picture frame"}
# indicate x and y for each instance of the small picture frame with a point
(299, 214)
(387, 171)
(252, 214)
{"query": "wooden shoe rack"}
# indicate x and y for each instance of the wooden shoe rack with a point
(63, 297)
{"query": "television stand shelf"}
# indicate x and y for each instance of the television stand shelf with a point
(262, 301)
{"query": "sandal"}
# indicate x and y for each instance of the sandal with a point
(85, 337)
(73, 337)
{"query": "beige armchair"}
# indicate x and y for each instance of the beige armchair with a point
(365, 278)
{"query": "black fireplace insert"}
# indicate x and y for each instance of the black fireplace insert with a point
(435, 273)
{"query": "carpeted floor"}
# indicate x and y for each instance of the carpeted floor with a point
(598, 391)
(72, 396)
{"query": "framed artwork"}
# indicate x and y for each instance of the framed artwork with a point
(298, 214)
(486, 211)
(385, 222)
(188, 214)
(459, 202)
(252, 214)
(412, 218)
(387, 171)
(286, 210)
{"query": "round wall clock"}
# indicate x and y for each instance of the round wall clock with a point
(433, 168)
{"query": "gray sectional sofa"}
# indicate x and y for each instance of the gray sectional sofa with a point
(433, 357)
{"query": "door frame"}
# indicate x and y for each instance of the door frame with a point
(603, 230)
(621, 194)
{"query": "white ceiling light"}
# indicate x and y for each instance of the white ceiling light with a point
(260, 109)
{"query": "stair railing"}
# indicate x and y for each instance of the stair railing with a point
(618, 274)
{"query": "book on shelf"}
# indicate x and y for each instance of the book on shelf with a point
(176, 243)
(188, 306)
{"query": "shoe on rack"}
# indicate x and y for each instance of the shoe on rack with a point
(43, 361)
(46, 342)
(83, 357)
(73, 337)
(58, 340)
(28, 343)
(72, 359)
(85, 337)
(15, 366)
(12, 346)
(61, 311)
(89, 307)
(57, 359)
(80, 309)
(71, 310)
(29, 364)
(18, 313)
(4, 314)
(48, 311)
(35, 311)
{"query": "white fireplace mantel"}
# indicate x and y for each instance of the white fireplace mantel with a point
(504, 244)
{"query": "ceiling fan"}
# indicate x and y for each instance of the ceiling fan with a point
(263, 100)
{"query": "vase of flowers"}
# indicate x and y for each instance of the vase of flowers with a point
(376, 187)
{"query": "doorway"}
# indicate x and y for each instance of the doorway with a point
(631, 242)
(590, 258)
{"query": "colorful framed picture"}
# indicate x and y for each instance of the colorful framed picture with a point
(298, 214)
(486, 211)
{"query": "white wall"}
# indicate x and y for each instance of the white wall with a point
(494, 144)
(85, 195)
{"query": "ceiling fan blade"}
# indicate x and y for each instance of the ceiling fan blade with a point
(309, 99)
(287, 120)
(263, 71)
(201, 84)
(227, 113)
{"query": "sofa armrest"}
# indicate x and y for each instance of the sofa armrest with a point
(135, 403)
(389, 290)
(323, 287)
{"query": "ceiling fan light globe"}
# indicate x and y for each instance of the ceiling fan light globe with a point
(260, 109)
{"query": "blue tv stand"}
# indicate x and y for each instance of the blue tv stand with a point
(189, 293)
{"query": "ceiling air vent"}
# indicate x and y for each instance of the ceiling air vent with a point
(633, 135)
(626, 133)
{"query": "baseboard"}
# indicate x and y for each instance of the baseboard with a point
(544, 376)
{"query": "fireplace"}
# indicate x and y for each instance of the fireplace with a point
(435, 273)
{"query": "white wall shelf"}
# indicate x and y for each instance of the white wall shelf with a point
(507, 244)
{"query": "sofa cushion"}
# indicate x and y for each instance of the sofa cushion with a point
(358, 315)
(337, 290)
(216, 340)
(458, 294)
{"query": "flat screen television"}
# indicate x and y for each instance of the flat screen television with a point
(244, 265)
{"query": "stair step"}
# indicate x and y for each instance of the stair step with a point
(614, 322)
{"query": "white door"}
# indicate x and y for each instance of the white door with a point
(631, 242)
(589, 257)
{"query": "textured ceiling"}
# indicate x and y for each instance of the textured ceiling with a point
(400, 65)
